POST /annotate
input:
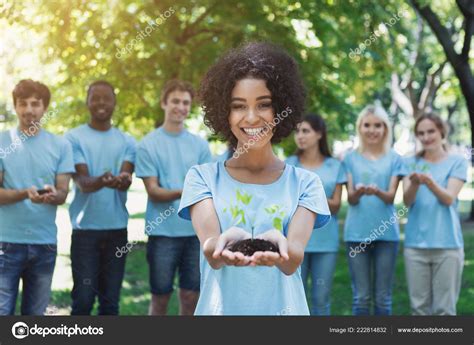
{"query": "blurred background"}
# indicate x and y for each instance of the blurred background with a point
(413, 56)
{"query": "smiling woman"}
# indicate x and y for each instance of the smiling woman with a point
(253, 97)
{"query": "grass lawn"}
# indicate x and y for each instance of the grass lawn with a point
(136, 296)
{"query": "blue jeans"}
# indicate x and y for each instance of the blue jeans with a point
(372, 269)
(322, 266)
(34, 264)
(167, 254)
(98, 267)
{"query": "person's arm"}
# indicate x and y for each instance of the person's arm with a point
(334, 202)
(291, 248)
(11, 196)
(354, 194)
(58, 193)
(386, 196)
(214, 244)
(158, 194)
(91, 184)
(446, 196)
(411, 183)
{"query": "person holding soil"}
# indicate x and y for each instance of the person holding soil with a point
(371, 229)
(164, 156)
(35, 170)
(321, 252)
(104, 157)
(434, 247)
(253, 97)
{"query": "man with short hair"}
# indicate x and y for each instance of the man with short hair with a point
(164, 157)
(104, 157)
(35, 170)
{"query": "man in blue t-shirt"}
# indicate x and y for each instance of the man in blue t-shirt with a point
(35, 170)
(164, 157)
(104, 158)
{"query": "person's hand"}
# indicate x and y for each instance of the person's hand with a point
(124, 180)
(269, 258)
(34, 196)
(426, 180)
(109, 180)
(415, 178)
(51, 195)
(227, 239)
(371, 189)
(360, 189)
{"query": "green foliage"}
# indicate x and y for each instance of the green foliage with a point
(90, 40)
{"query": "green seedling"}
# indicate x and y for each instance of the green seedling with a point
(238, 214)
(278, 215)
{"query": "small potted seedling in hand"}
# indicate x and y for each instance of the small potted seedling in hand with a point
(249, 246)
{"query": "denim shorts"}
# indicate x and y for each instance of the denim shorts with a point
(167, 254)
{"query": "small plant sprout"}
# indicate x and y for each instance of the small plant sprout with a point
(425, 168)
(44, 180)
(237, 213)
(278, 214)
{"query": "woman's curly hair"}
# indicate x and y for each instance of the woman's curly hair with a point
(261, 61)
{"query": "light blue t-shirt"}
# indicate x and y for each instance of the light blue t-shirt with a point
(26, 162)
(331, 173)
(432, 224)
(169, 156)
(253, 290)
(372, 219)
(223, 156)
(101, 151)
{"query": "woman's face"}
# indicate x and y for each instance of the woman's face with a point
(372, 130)
(305, 136)
(251, 113)
(429, 135)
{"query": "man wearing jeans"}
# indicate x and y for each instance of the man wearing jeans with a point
(104, 158)
(164, 157)
(35, 170)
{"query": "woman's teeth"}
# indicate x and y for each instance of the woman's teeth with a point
(252, 131)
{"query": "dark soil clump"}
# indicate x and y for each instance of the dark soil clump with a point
(250, 246)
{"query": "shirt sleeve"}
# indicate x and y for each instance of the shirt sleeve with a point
(195, 189)
(459, 169)
(314, 199)
(77, 153)
(399, 167)
(66, 160)
(347, 164)
(131, 150)
(205, 156)
(292, 160)
(341, 174)
(144, 164)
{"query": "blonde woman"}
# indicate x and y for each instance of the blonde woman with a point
(434, 247)
(371, 229)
